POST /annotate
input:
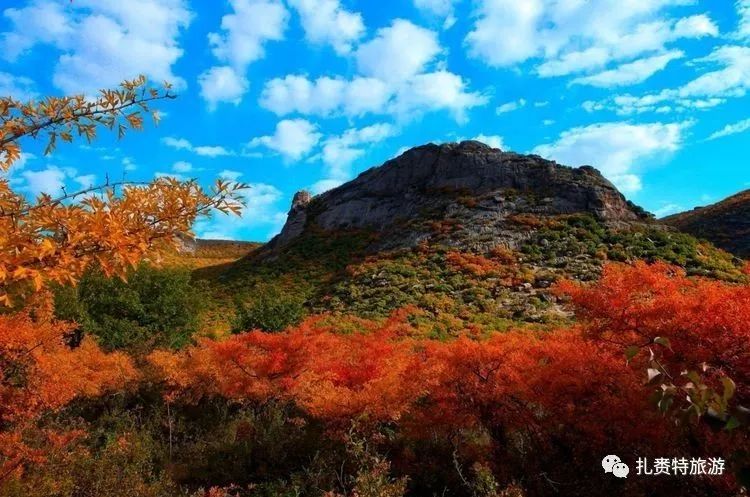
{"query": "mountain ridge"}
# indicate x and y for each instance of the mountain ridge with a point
(726, 223)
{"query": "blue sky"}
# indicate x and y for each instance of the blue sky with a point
(304, 94)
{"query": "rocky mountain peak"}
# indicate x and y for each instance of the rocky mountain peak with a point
(301, 199)
(477, 189)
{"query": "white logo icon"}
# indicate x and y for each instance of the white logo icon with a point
(613, 464)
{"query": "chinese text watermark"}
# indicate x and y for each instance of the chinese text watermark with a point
(678, 466)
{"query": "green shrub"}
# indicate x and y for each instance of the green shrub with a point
(153, 308)
(269, 309)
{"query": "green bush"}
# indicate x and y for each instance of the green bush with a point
(583, 235)
(269, 309)
(152, 308)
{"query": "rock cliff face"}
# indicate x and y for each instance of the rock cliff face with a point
(474, 189)
(726, 224)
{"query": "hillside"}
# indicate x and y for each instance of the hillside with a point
(726, 224)
(409, 334)
(467, 234)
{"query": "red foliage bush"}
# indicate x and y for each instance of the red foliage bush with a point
(704, 320)
(519, 401)
(39, 373)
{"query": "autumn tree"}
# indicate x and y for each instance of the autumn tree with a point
(690, 333)
(689, 339)
(113, 225)
(39, 373)
(557, 394)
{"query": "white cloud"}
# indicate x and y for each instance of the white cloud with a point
(590, 58)
(366, 95)
(211, 151)
(743, 12)
(327, 22)
(548, 122)
(85, 180)
(632, 72)
(245, 31)
(173, 175)
(177, 143)
(222, 84)
(395, 77)
(182, 167)
(293, 139)
(510, 106)
(244, 34)
(494, 141)
(101, 42)
(52, 180)
(202, 150)
(428, 92)
(731, 129)
(324, 96)
(128, 164)
(17, 87)
(504, 33)
(731, 79)
(262, 211)
(696, 26)
(440, 90)
(628, 183)
(339, 152)
(39, 22)
(324, 185)
(618, 149)
(439, 8)
(22, 161)
(666, 209)
(229, 175)
(570, 36)
(398, 52)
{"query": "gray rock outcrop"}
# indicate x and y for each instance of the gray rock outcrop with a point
(473, 187)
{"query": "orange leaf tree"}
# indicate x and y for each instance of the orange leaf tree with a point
(466, 399)
(690, 337)
(40, 373)
(694, 332)
(112, 225)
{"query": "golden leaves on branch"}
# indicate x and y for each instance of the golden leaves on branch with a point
(64, 118)
(55, 241)
(113, 225)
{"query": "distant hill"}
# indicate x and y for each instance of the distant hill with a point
(198, 253)
(726, 224)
